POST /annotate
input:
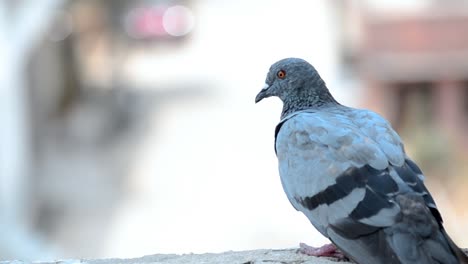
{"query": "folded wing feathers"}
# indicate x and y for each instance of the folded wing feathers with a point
(324, 157)
(347, 171)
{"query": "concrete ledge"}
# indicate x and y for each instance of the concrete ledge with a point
(267, 256)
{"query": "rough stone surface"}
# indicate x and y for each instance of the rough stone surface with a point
(266, 256)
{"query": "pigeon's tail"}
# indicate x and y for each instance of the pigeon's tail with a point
(461, 256)
(438, 248)
(419, 238)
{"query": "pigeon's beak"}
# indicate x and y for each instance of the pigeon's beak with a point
(262, 94)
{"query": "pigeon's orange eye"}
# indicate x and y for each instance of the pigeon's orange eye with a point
(281, 74)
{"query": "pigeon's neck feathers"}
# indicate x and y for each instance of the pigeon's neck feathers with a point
(305, 99)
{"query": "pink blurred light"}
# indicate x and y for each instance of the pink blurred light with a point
(159, 22)
(178, 20)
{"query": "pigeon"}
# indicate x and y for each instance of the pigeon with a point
(346, 169)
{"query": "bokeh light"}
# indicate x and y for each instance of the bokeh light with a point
(178, 20)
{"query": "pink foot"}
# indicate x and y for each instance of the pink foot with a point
(328, 250)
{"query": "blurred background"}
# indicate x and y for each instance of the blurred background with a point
(129, 127)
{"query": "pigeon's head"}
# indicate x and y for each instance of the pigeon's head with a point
(295, 82)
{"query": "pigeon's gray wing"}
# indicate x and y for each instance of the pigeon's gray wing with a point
(325, 163)
(348, 173)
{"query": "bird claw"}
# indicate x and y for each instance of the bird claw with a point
(328, 250)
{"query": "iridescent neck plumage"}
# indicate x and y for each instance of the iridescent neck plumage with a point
(315, 99)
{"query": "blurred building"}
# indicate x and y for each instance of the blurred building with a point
(422, 59)
(412, 60)
(414, 68)
(90, 117)
(84, 118)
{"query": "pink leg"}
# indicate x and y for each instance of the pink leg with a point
(328, 250)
